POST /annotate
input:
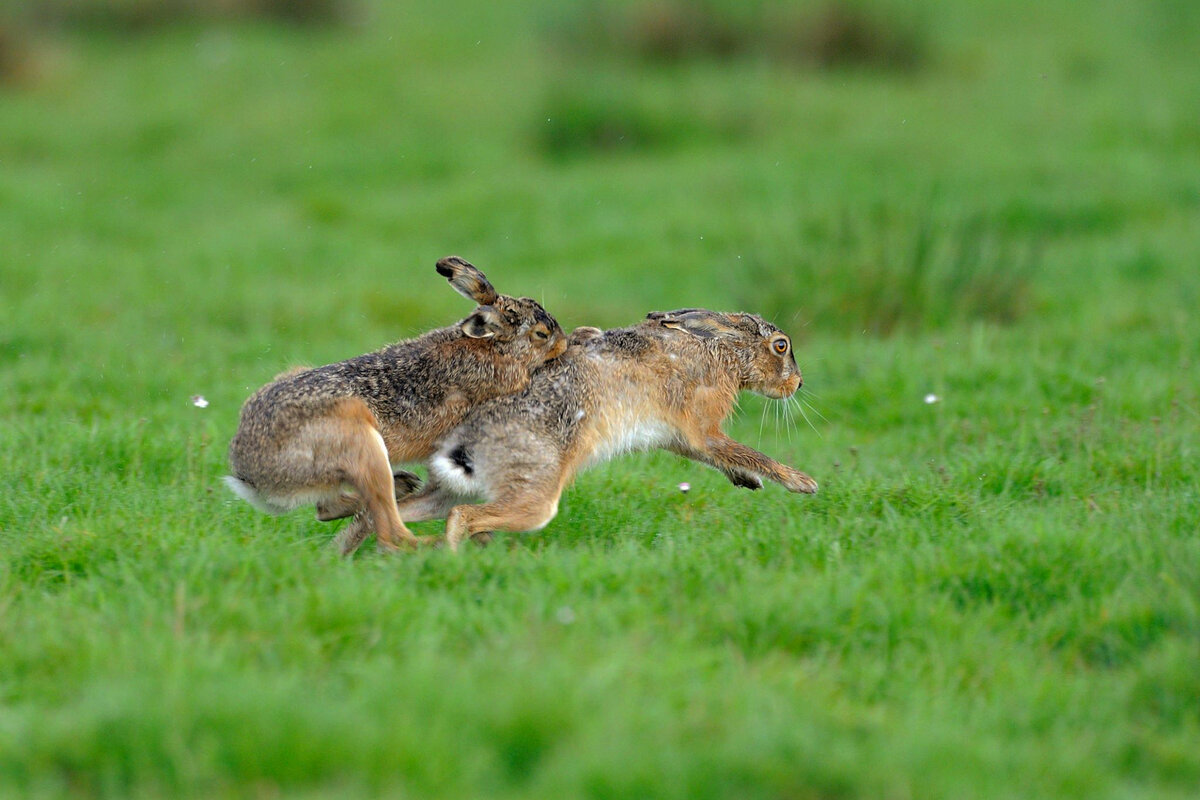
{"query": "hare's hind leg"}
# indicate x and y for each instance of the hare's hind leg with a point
(354, 533)
(522, 512)
(432, 502)
(340, 507)
(347, 505)
(362, 459)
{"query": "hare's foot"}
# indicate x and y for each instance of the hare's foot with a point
(340, 507)
(347, 504)
(406, 483)
(432, 502)
(351, 537)
(353, 534)
(518, 512)
(797, 481)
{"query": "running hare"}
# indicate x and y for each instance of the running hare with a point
(328, 435)
(666, 383)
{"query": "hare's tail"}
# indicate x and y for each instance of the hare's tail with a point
(253, 497)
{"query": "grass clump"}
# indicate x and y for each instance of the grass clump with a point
(886, 275)
(134, 15)
(582, 116)
(14, 54)
(837, 33)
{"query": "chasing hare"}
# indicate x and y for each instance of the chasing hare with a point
(666, 383)
(328, 435)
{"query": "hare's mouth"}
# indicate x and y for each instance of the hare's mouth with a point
(782, 390)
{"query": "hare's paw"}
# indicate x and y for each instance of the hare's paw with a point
(797, 481)
(384, 546)
(746, 480)
(406, 483)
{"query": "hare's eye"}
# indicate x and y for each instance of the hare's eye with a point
(780, 346)
(541, 334)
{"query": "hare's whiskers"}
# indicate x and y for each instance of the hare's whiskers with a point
(813, 408)
(809, 392)
(787, 419)
(800, 408)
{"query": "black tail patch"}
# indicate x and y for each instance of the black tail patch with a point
(462, 458)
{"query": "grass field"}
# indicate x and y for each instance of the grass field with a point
(995, 595)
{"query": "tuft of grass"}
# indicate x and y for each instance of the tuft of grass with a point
(838, 33)
(140, 15)
(849, 34)
(578, 122)
(880, 276)
(583, 115)
(14, 54)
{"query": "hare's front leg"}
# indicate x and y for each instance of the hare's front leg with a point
(738, 477)
(736, 459)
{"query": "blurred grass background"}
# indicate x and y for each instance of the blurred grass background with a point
(996, 594)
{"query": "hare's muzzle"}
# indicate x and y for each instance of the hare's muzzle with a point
(791, 385)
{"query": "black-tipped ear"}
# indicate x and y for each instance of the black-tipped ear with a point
(483, 324)
(467, 280)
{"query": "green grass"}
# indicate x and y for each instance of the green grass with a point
(994, 595)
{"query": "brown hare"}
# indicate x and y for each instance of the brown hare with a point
(667, 383)
(328, 435)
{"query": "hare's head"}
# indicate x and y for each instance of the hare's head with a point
(517, 325)
(759, 353)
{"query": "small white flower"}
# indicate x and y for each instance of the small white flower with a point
(198, 401)
(564, 615)
(931, 398)
(685, 487)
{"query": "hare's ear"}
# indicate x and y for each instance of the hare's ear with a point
(663, 316)
(483, 324)
(584, 333)
(467, 280)
(696, 321)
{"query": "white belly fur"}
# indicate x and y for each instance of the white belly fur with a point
(644, 434)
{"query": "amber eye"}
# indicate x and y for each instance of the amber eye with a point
(541, 334)
(780, 346)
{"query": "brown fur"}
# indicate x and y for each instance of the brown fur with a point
(668, 383)
(328, 435)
